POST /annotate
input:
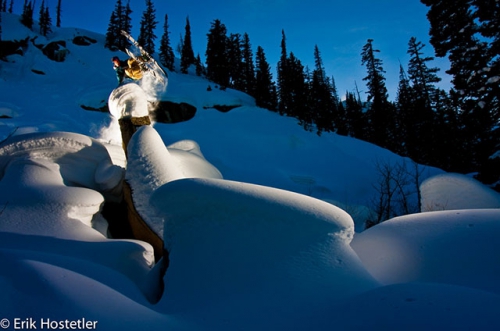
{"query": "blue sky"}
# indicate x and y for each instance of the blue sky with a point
(339, 28)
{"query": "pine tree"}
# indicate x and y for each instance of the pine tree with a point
(248, 70)
(148, 24)
(422, 144)
(355, 117)
(11, 6)
(406, 112)
(200, 70)
(235, 61)
(3, 6)
(58, 16)
(321, 100)
(126, 25)
(380, 112)
(299, 91)
(265, 88)
(284, 94)
(187, 54)
(27, 15)
(166, 51)
(470, 40)
(113, 33)
(216, 55)
(120, 20)
(45, 21)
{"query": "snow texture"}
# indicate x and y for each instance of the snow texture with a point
(261, 249)
(128, 100)
(455, 191)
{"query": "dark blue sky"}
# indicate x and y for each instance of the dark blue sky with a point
(339, 28)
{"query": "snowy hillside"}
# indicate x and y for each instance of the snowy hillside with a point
(263, 221)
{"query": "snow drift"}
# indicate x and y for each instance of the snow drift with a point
(244, 256)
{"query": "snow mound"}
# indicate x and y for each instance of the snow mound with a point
(416, 306)
(128, 100)
(455, 191)
(245, 250)
(80, 160)
(453, 247)
(151, 164)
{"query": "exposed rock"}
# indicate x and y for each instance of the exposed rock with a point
(171, 112)
(103, 109)
(11, 47)
(83, 41)
(223, 108)
(38, 72)
(56, 50)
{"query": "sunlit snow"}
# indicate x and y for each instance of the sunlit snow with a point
(263, 221)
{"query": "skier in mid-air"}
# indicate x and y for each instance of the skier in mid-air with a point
(131, 68)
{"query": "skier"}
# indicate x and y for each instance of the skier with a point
(130, 68)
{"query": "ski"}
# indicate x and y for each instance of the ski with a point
(146, 61)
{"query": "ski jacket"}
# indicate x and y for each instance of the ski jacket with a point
(134, 70)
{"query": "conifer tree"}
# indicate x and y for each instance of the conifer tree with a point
(3, 6)
(120, 20)
(355, 117)
(422, 77)
(113, 33)
(284, 102)
(472, 48)
(248, 67)
(380, 111)
(321, 97)
(27, 15)
(235, 61)
(405, 109)
(45, 21)
(58, 15)
(126, 25)
(265, 88)
(217, 53)
(11, 6)
(299, 91)
(0, 26)
(200, 70)
(148, 24)
(166, 51)
(424, 93)
(187, 53)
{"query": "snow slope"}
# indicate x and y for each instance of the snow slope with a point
(243, 201)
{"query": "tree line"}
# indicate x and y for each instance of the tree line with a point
(27, 19)
(456, 130)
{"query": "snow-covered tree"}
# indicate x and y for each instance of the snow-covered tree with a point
(148, 24)
(166, 51)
